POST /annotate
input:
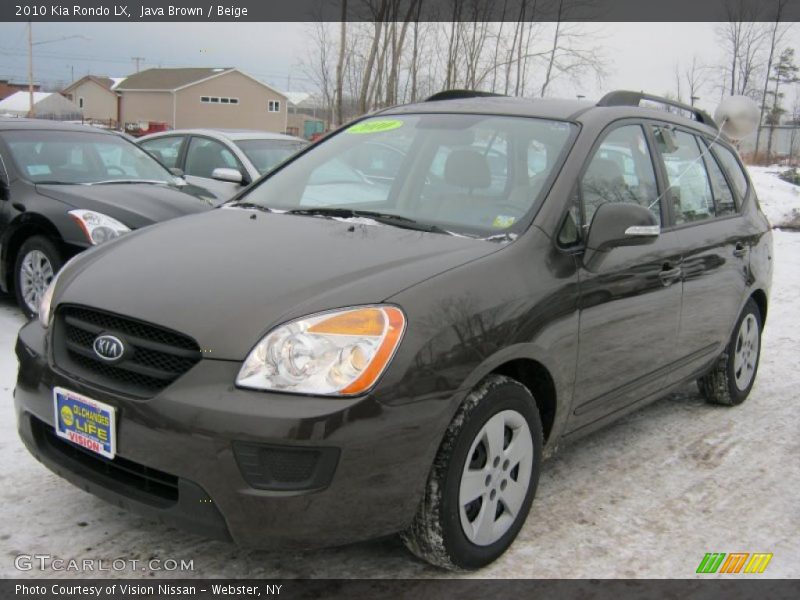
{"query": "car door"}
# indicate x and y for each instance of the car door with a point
(704, 210)
(203, 155)
(630, 300)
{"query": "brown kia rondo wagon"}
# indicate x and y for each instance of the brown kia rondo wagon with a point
(390, 331)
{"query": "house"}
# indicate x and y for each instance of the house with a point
(305, 117)
(46, 105)
(201, 97)
(7, 88)
(95, 95)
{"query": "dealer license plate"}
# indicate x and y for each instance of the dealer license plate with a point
(85, 422)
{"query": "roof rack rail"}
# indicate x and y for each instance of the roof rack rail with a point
(459, 94)
(626, 98)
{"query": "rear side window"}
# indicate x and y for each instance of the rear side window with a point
(621, 170)
(733, 168)
(165, 149)
(724, 202)
(689, 188)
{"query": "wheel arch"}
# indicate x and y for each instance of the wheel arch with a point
(537, 378)
(759, 296)
(21, 229)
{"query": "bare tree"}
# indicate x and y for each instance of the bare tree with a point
(777, 32)
(741, 38)
(338, 117)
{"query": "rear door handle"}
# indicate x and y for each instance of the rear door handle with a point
(669, 274)
(740, 249)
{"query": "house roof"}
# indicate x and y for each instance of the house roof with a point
(172, 80)
(101, 80)
(20, 101)
(168, 79)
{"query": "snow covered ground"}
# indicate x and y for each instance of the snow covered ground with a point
(779, 199)
(646, 497)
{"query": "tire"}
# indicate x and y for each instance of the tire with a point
(37, 262)
(442, 533)
(730, 381)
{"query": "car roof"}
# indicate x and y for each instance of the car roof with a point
(229, 134)
(545, 108)
(20, 123)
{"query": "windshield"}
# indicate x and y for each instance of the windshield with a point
(81, 157)
(469, 174)
(266, 154)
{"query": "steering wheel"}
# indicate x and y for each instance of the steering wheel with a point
(110, 168)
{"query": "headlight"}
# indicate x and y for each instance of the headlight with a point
(45, 304)
(46, 300)
(338, 353)
(98, 227)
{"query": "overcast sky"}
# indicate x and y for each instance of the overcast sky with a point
(641, 56)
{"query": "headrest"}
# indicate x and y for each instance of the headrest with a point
(467, 169)
(54, 154)
(604, 168)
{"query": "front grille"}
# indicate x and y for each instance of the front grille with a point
(155, 357)
(153, 486)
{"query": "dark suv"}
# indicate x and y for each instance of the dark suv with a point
(354, 356)
(66, 187)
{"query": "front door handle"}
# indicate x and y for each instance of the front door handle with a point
(740, 249)
(669, 274)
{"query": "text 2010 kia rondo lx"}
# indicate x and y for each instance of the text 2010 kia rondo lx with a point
(339, 355)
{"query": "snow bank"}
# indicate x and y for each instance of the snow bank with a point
(779, 199)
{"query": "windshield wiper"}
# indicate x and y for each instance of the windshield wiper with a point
(383, 218)
(54, 182)
(245, 205)
(126, 181)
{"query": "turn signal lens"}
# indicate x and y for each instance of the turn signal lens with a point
(340, 353)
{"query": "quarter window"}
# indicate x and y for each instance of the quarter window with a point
(621, 170)
(733, 168)
(689, 188)
(724, 203)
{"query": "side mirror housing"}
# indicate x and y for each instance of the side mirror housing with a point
(225, 174)
(620, 224)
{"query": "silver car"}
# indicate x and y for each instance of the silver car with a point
(221, 160)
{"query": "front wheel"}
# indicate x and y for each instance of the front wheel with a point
(483, 479)
(38, 261)
(732, 378)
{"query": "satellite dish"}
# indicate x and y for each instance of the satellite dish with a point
(737, 116)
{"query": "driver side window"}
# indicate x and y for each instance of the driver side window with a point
(621, 170)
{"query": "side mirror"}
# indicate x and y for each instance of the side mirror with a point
(177, 172)
(620, 224)
(225, 174)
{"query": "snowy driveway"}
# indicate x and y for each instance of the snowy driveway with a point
(645, 497)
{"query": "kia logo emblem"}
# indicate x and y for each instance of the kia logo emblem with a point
(108, 348)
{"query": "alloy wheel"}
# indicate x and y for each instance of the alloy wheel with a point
(745, 356)
(36, 273)
(495, 478)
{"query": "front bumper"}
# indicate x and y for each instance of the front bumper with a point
(204, 436)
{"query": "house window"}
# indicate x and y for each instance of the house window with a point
(80, 102)
(274, 106)
(218, 100)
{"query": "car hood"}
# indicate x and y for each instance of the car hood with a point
(228, 276)
(134, 204)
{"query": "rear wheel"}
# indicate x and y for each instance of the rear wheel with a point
(732, 378)
(38, 261)
(483, 480)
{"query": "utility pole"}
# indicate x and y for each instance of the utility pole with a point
(30, 70)
(137, 60)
